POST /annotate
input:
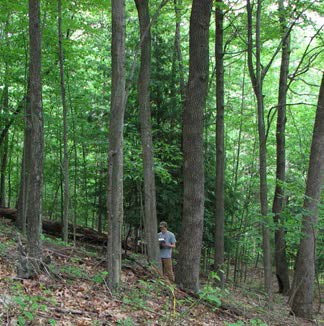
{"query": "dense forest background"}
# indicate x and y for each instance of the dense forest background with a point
(86, 31)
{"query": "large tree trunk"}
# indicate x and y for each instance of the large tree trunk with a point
(34, 168)
(115, 156)
(257, 83)
(193, 201)
(220, 152)
(150, 219)
(66, 194)
(302, 287)
(280, 244)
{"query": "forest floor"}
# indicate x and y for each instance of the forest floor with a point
(72, 291)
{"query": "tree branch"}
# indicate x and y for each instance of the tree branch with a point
(266, 68)
(306, 52)
(10, 122)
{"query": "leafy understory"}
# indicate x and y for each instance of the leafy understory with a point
(72, 291)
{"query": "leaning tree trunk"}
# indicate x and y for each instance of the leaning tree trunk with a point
(302, 287)
(34, 168)
(257, 76)
(220, 152)
(280, 243)
(66, 195)
(187, 275)
(115, 155)
(150, 219)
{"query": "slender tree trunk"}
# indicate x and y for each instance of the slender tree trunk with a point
(150, 218)
(12, 143)
(22, 198)
(280, 243)
(61, 182)
(302, 295)
(100, 201)
(85, 182)
(75, 190)
(24, 174)
(238, 150)
(115, 156)
(257, 83)
(35, 156)
(220, 151)
(4, 161)
(66, 194)
(243, 219)
(4, 152)
(193, 201)
(236, 168)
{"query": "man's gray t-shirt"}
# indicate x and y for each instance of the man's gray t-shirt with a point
(169, 238)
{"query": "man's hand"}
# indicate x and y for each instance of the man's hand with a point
(169, 245)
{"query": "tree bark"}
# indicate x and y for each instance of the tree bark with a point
(187, 275)
(66, 194)
(34, 168)
(150, 218)
(280, 243)
(256, 76)
(220, 151)
(303, 283)
(115, 155)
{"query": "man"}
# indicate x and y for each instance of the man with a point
(167, 241)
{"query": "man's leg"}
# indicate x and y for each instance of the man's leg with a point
(167, 268)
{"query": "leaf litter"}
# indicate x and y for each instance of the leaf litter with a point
(73, 291)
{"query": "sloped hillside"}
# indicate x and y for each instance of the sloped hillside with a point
(72, 291)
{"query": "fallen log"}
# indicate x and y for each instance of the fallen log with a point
(54, 228)
(82, 234)
(7, 212)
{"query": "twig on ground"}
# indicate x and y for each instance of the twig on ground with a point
(108, 288)
(71, 311)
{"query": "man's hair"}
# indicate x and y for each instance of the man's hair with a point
(164, 224)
